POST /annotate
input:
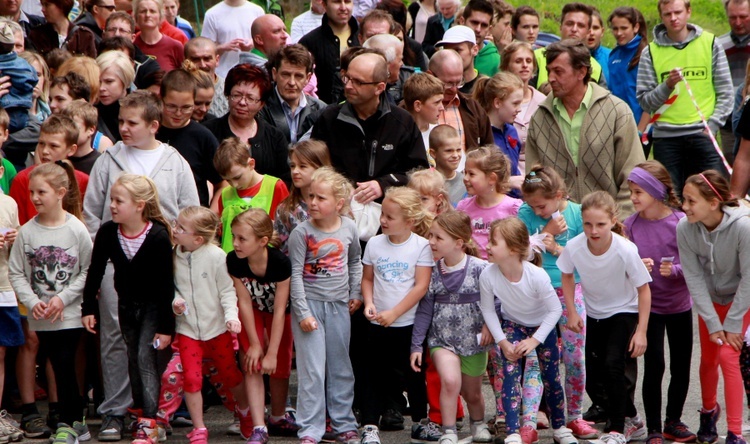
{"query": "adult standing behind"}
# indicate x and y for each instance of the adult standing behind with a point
(461, 39)
(172, 16)
(269, 36)
(288, 108)
(680, 141)
(308, 20)
(525, 25)
(420, 11)
(12, 10)
(337, 31)
(122, 24)
(167, 51)
(478, 16)
(95, 17)
(205, 56)
(439, 23)
(59, 32)
(393, 49)
(248, 88)
(582, 130)
(116, 76)
(228, 24)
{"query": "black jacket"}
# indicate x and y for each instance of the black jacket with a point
(273, 114)
(433, 33)
(384, 147)
(324, 46)
(87, 20)
(34, 21)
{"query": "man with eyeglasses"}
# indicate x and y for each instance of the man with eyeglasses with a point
(371, 142)
(121, 24)
(461, 39)
(461, 111)
(95, 17)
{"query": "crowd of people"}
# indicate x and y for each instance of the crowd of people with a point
(440, 186)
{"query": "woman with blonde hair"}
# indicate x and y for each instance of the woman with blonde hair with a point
(116, 76)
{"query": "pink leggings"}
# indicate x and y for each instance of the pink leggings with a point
(714, 356)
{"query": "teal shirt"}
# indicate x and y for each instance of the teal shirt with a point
(535, 224)
(571, 128)
(487, 61)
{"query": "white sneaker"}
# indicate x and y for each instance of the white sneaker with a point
(234, 427)
(745, 428)
(613, 438)
(635, 430)
(513, 438)
(564, 435)
(448, 438)
(370, 435)
(480, 432)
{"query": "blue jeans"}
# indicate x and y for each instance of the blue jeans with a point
(684, 156)
(138, 324)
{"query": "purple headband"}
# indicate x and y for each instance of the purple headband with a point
(649, 183)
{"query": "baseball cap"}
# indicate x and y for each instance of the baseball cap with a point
(6, 33)
(458, 34)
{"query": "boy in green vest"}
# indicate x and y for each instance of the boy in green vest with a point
(247, 188)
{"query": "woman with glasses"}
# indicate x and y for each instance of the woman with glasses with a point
(116, 75)
(247, 88)
(59, 32)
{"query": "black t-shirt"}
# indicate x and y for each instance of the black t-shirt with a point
(85, 163)
(262, 289)
(198, 146)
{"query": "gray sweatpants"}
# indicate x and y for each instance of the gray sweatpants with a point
(117, 394)
(324, 371)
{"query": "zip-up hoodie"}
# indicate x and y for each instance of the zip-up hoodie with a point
(172, 175)
(202, 280)
(713, 266)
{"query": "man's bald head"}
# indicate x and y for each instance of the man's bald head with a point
(445, 58)
(202, 52)
(393, 48)
(269, 34)
(371, 62)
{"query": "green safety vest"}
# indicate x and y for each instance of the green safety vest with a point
(233, 205)
(541, 63)
(696, 60)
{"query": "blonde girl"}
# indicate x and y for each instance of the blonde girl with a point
(486, 178)
(261, 274)
(529, 309)
(713, 244)
(501, 96)
(47, 269)
(617, 297)
(138, 242)
(40, 96)
(396, 269)
(205, 303)
(430, 184)
(325, 289)
(548, 211)
(453, 294)
(304, 158)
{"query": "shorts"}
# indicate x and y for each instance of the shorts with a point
(263, 321)
(11, 333)
(474, 365)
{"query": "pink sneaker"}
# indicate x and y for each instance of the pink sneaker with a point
(198, 436)
(581, 429)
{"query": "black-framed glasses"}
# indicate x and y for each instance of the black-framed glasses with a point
(109, 8)
(356, 82)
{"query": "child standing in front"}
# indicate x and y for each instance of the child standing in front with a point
(430, 185)
(47, 269)
(325, 288)
(396, 270)
(206, 307)
(453, 295)
(618, 300)
(530, 310)
(138, 242)
(714, 244)
(486, 178)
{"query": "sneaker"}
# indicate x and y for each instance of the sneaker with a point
(161, 432)
(246, 424)
(480, 432)
(284, 427)
(4, 437)
(678, 431)
(350, 437)
(635, 430)
(564, 435)
(734, 439)
(34, 427)
(542, 422)
(370, 435)
(147, 431)
(259, 436)
(234, 427)
(65, 435)
(448, 438)
(392, 420)
(198, 436)
(613, 438)
(499, 427)
(707, 433)
(595, 415)
(8, 428)
(655, 438)
(425, 432)
(111, 429)
(529, 435)
(582, 429)
(82, 430)
(328, 435)
(513, 438)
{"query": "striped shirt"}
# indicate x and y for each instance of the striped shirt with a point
(131, 245)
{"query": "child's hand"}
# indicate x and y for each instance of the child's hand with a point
(575, 322)
(308, 324)
(718, 338)
(526, 346)
(89, 323)
(735, 340)
(509, 351)
(54, 309)
(178, 306)
(354, 305)
(10, 237)
(370, 312)
(39, 311)
(253, 357)
(234, 327)
(665, 269)
(649, 263)
(416, 361)
(486, 336)
(386, 318)
(555, 226)
(268, 366)
(164, 341)
(637, 345)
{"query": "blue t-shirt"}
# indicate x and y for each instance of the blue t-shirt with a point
(506, 138)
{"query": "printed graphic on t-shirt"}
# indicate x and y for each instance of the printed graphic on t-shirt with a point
(327, 258)
(479, 226)
(262, 294)
(392, 270)
(51, 269)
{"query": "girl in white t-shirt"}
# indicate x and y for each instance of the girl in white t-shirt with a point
(396, 271)
(530, 309)
(618, 302)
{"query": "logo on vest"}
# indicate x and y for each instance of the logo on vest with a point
(690, 73)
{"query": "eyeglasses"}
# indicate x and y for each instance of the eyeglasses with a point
(174, 108)
(237, 98)
(179, 229)
(109, 8)
(457, 85)
(355, 82)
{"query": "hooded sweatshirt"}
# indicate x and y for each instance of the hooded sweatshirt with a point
(712, 261)
(621, 80)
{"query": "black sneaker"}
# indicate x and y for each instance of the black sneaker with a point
(34, 426)
(678, 431)
(734, 439)
(595, 414)
(392, 420)
(655, 438)
(425, 432)
(707, 433)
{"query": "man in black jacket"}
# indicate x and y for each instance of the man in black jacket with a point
(325, 45)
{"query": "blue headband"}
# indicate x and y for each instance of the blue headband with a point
(649, 183)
